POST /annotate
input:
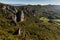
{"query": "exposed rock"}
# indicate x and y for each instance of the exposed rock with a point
(18, 14)
(22, 16)
(18, 17)
(14, 18)
(8, 7)
(19, 31)
(16, 10)
(4, 9)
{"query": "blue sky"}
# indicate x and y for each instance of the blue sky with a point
(34, 2)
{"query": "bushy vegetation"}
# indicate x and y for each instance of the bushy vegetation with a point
(34, 27)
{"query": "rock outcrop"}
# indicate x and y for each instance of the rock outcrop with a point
(22, 16)
(14, 19)
(17, 15)
(4, 9)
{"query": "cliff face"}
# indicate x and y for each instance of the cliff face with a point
(17, 15)
(22, 16)
(14, 18)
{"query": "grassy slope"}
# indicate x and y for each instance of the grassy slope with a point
(32, 29)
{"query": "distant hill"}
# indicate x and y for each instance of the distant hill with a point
(17, 4)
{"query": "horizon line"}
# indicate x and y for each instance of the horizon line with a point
(31, 4)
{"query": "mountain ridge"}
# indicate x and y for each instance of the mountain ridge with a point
(17, 4)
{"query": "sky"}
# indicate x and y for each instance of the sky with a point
(32, 2)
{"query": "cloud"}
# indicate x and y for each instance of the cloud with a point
(31, 1)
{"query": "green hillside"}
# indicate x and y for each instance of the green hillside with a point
(36, 25)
